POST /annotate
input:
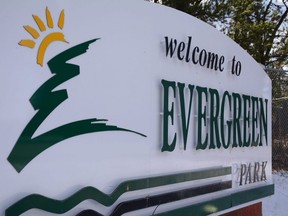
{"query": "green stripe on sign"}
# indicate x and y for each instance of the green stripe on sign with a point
(252, 194)
(223, 203)
(36, 201)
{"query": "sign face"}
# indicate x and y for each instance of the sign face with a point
(128, 107)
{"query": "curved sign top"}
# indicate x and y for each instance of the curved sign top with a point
(131, 105)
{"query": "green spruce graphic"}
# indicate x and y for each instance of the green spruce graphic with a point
(44, 101)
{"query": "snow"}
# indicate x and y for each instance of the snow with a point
(277, 205)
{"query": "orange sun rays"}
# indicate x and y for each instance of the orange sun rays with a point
(48, 39)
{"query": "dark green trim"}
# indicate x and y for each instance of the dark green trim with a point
(252, 194)
(223, 203)
(37, 201)
(160, 199)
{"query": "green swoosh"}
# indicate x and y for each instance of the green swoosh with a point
(45, 100)
(36, 201)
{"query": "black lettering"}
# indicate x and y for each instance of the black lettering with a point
(181, 48)
(170, 46)
(188, 49)
(203, 57)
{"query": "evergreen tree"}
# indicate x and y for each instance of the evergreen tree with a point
(259, 27)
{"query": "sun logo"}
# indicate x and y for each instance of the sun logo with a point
(48, 39)
(49, 96)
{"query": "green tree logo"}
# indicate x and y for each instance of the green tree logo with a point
(46, 98)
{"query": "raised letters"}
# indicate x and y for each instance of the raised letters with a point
(221, 120)
(195, 55)
(253, 172)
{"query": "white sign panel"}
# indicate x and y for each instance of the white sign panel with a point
(111, 108)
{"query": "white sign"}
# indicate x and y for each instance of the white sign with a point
(128, 107)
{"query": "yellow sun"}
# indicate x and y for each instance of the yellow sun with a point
(48, 39)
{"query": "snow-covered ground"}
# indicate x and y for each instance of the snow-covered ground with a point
(277, 205)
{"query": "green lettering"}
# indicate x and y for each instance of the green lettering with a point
(255, 110)
(263, 120)
(185, 121)
(168, 114)
(214, 116)
(229, 122)
(201, 118)
(236, 120)
(246, 122)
